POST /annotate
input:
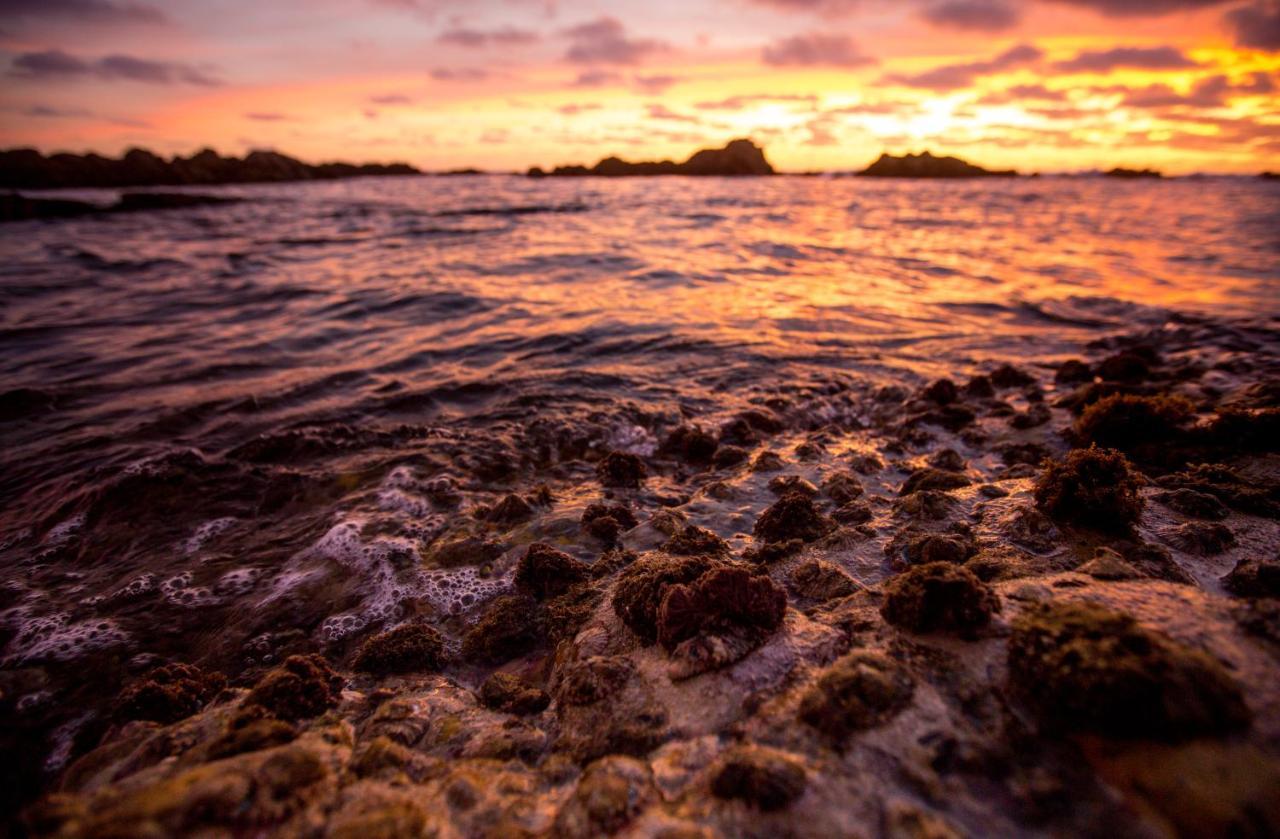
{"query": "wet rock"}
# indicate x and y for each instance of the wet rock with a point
(1124, 366)
(1153, 561)
(1228, 487)
(642, 586)
(842, 488)
(1008, 376)
(303, 687)
(1254, 577)
(727, 457)
(1241, 429)
(1133, 423)
(1031, 454)
(765, 778)
(772, 552)
(251, 730)
(696, 541)
(1109, 565)
(1087, 668)
(546, 572)
(793, 516)
(592, 679)
(862, 690)
(510, 628)
(853, 513)
(607, 522)
(721, 601)
(939, 597)
(463, 551)
(948, 460)
(512, 509)
(819, 581)
(933, 479)
(865, 463)
(1034, 417)
(1189, 502)
(1073, 371)
(980, 387)
(406, 649)
(784, 484)
(690, 444)
(1203, 538)
(622, 470)
(610, 562)
(612, 792)
(925, 505)
(951, 417)
(767, 461)
(925, 548)
(168, 693)
(510, 694)
(942, 392)
(1092, 488)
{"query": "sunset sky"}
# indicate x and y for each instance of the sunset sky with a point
(1050, 85)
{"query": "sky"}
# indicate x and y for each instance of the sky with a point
(1038, 85)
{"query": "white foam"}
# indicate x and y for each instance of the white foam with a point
(207, 532)
(237, 581)
(54, 637)
(179, 591)
(632, 439)
(62, 531)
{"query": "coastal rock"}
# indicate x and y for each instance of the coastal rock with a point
(925, 165)
(739, 157)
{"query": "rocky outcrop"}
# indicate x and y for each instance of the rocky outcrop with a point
(740, 157)
(925, 165)
(29, 169)
(15, 207)
(1121, 172)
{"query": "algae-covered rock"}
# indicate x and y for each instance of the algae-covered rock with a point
(611, 793)
(819, 581)
(859, 691)
(696, 541)
(607, 522)
(939, 597)
(1087, 668)
(931, 478)
(510, 628)
(642, 585)
(621, 469)
(250, 730)
(409, 648)
(793, 516)
(1092, 488)
(169, 693)
(720, 601)
(546, 572)
(1131, 423)
(593, 678)
(511, 694)
(1254, 577)
(304, 686)
(762, 777)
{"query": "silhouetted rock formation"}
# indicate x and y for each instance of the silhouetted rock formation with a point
(925, 165)
(1270, 176)
(740, 157)
(29, 169)
(15, 207)
(1120, 172)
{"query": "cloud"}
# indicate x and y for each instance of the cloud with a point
(1131, 58)
(605, 41)
(653, 85)
(1142, 8)
(1022, 93)
(95, 11)
(1212, 92)
(574, 108)
(826, 8)
(55, 64)
(741, 103)
(48, 111)
(955, 76)
(476, 38)
(815, 49)
(1257, 25)
(974, 15)
(459, 74)
(596, 78)
(662, 112)
(269, 117)
(391, 99)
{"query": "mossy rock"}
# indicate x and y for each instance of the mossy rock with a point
(859, 691)
(546, 572)
(1092, 488)
(642, 585)
(762, 777)
(1086, 668)
(304, 686)
(939, 597)
(511, 627)
(406, 649)
(169, 693)
(793, 516)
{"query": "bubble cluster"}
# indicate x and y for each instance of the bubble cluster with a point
(64, 530)
(237, 581)
(179, 591)
(55, 637)
(207, 532)
(632, 439)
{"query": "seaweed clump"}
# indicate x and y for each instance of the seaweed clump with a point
(859, 691)
(1094, 488)
(510, 694)
(510, 628)
(939, 596)
(1086, 668)
(621, 469)
(642, 585)
(168, 693)
(765, 778)
(793, 516)
(304, 686)
(696, 541)
(721, 601)
(405, 649)
(1254, 578)
(691, 444)
(1133, 423)
(546, 572)
(607, 522)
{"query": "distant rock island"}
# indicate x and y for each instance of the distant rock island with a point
(740, 157)
(1121, 172)
(925, 165)
(29, 169)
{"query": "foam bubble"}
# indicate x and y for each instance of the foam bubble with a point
(208, 531)
(179, 591)
(237, 581)
(632, 439)
(64, 530)
(55, 637)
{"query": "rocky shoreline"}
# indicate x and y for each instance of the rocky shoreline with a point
(1072, 622)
